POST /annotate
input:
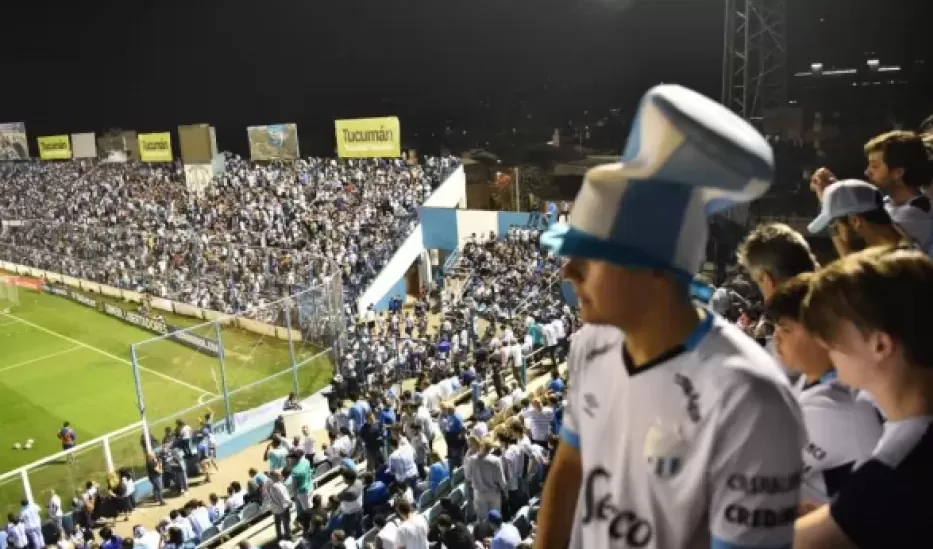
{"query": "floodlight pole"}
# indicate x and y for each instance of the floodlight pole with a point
(754, 64)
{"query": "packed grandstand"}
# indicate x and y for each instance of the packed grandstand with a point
(446, 407)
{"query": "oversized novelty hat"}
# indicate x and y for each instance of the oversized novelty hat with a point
(687, 157)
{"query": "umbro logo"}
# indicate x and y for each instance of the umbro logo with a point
(590, 404)
(599, 351)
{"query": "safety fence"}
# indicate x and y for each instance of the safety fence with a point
(229, 371)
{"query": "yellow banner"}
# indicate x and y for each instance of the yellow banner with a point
(54, 147)
(369, 138)
(155, 147)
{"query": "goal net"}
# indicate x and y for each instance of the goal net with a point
(9, 293)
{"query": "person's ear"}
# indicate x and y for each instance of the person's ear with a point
(880, 345)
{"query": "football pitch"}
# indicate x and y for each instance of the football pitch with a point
(61, 361)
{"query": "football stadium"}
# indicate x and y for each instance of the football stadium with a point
(315, 277)
(67, 359)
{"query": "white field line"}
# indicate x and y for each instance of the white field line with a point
(105, 353)
(9, 323)
(38, 359)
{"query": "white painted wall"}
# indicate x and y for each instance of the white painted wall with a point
(478, 222)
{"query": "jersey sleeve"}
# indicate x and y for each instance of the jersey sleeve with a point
(570, 428)
(756, 467)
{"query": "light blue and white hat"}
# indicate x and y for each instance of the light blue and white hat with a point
(687, 157)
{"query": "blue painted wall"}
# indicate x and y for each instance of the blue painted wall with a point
(399, 289)
(439, 226)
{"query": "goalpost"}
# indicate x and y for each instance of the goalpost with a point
(9, 293)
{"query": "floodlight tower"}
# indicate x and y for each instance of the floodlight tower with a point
(754, 74)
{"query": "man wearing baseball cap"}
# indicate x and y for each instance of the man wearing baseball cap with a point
(856, 217)
(674, 417)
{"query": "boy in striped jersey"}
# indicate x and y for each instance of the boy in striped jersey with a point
(679, 430)
(842, 429)
(871, 310)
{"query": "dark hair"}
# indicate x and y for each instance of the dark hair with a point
(778, 250)
(444, 521)
(787, 300)
(905, 150)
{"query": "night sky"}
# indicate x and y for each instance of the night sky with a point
(146, 65)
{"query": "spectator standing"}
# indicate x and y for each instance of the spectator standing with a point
(485, 473)
(899, 165)
(154, 474)
(276, 454)
(54, 509)
(402, 462)
(454, 435)
(280, 504)
(302, 478)
(855, 214)
(351, 504)
(371, 437)
(16, 532)
(32, 522)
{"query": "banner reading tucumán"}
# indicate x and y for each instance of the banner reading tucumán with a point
(369, 137)
(155, 147)
(54, 147)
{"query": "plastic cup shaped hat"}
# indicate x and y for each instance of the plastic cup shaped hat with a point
(687, 157)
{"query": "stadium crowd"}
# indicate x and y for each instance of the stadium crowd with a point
(257, 234)
(413, 469)
(851, 335)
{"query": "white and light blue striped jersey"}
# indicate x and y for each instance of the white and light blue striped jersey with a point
(702, 448)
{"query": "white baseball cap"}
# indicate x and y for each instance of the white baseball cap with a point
(846, 197)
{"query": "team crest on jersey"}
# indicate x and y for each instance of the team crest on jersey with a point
(665, 448)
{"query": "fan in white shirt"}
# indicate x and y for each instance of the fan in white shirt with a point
(842, 429)
(412, 529)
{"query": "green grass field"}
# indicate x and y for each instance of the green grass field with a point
(61, 361)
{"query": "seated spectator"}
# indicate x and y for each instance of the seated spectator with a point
(254, 485)
(388, 532)
(454, 535)
(375, 493)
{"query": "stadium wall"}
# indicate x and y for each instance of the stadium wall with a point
(391, 281)
(447, 228)
(160, 303)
